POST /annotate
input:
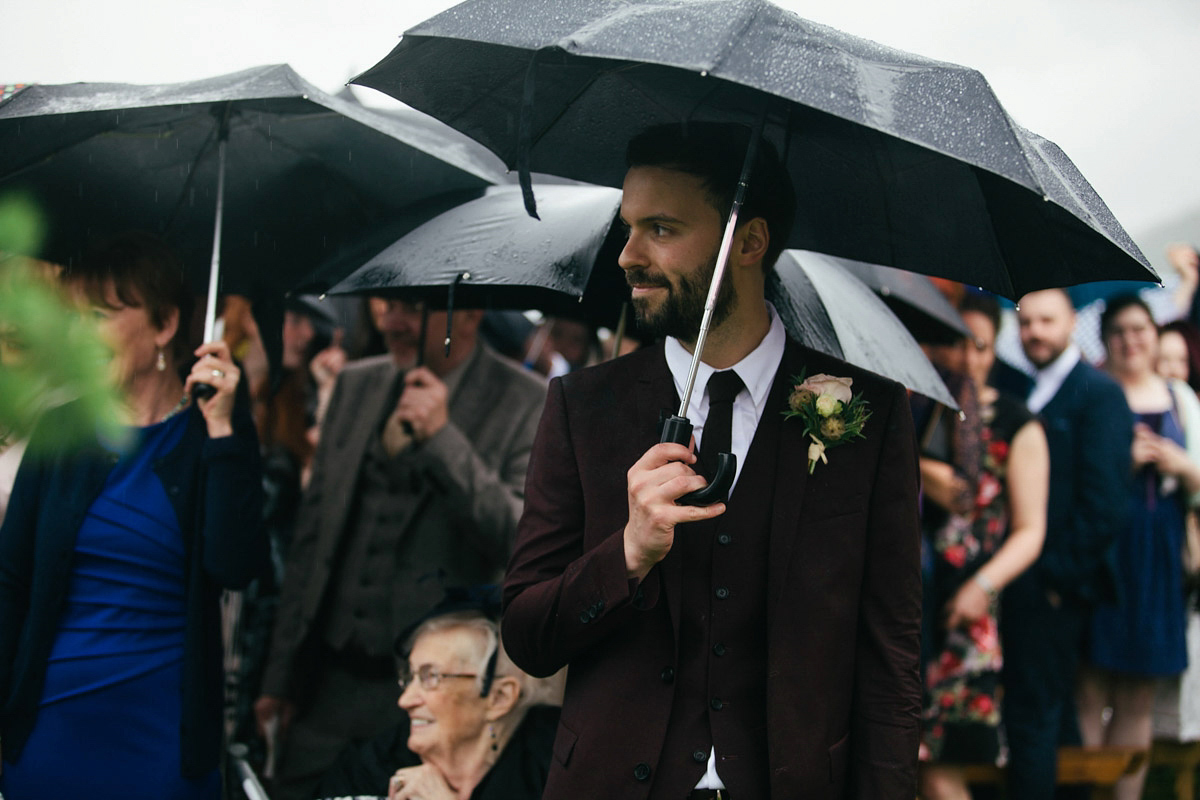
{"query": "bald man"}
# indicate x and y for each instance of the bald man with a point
(1090, 431)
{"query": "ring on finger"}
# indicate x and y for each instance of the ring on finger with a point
(216, 373)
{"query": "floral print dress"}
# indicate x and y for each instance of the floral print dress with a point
(961, 719)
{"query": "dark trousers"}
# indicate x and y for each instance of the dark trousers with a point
(1042, 643)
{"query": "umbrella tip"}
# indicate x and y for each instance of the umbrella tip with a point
(321, 296)
(962, 416)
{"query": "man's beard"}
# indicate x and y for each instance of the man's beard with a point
(681, 312)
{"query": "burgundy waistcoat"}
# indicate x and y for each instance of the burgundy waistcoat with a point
(720, 669)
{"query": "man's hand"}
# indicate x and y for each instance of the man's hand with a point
(660, 477)
(422, 411)
(424, 404)
(268, 708)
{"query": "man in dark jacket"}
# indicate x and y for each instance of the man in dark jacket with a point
(1045, 611)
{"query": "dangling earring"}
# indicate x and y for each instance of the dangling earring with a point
(492, 733)
(160, 363)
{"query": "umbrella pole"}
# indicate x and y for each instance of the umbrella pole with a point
(203, 391)
(714, 287)
(210, 311)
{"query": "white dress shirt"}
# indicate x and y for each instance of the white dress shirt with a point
(757, 371)
(1049, 379)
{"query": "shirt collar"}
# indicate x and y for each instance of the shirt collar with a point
(1049, 379)
(757, 369)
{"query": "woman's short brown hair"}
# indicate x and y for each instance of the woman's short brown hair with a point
(144, 273)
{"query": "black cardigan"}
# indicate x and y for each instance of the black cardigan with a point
(519, 773)
(215, 487)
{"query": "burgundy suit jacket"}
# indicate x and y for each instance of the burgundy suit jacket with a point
(843, 591)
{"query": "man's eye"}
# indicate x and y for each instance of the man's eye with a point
(661, 230)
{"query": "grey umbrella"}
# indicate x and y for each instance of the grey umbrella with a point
(258, 170)
(828, 309)
(489, 253)
(924, 310)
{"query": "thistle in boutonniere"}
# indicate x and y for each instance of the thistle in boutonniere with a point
(832, 415)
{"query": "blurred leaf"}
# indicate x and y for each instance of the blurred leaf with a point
(22, 225)
(49, 353)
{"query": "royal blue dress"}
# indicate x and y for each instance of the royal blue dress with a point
(1144, 634)
(109, 721)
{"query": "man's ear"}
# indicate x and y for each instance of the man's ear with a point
(506, 691)
(754, 240)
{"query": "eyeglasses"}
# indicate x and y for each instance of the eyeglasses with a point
(429, 676)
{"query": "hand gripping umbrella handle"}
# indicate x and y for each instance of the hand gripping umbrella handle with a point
(678, 429)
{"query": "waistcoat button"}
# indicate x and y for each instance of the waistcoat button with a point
(642, 772)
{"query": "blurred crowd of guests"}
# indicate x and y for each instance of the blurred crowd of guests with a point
(1060, 545)
(1060, 534)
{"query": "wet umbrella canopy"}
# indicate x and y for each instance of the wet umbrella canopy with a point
(309, 177)
(924, 310)
(830, 310)
(491, 254)
(516, 261)
(898, 159)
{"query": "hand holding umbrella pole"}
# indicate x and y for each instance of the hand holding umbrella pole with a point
(677, 428)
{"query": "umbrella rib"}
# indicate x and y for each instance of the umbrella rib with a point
(187, 185)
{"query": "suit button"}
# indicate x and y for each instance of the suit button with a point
(721, 593)
(699, 756)
(718, 649)
(716, 704)
(585, 617)
(724, 538)
(668, 675)
(599, 606)
(642, 772)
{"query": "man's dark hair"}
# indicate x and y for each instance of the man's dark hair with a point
(1119, 303)
(715, 153)
(981, 303)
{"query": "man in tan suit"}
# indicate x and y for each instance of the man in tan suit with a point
(417, 483)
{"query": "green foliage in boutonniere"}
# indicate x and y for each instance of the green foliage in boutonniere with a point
(832, 415)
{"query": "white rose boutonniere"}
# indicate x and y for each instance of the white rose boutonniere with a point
(832, 415)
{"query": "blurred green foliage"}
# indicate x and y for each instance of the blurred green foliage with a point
(49, 353)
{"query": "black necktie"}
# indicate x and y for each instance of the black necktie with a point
(718, 427)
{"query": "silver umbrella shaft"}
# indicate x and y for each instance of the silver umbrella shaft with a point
(714, 288)
(210, 311)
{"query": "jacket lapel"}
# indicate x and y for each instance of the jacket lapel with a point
(791, 474)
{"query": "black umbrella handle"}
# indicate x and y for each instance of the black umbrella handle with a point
(203, 391)
(678, 429)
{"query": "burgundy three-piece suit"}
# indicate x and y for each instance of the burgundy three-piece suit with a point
(785, 633)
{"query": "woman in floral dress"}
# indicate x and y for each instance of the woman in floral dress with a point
(976, 552)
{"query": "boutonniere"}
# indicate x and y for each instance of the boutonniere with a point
(832, 414)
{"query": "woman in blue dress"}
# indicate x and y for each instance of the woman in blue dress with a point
(113, 556)
(1141, 637)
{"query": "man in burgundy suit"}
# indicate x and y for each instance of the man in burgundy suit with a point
(763, 647)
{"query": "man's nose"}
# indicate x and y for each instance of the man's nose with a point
(631, 254)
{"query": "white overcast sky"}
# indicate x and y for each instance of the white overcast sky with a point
(1116, 83)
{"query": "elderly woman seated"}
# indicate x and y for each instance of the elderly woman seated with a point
(477, 726)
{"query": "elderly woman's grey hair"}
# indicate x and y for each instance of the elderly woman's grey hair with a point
(485, 634)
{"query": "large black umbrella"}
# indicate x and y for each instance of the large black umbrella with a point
(496, 255)
(258, 170)
(924, 310)
(898, 159)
